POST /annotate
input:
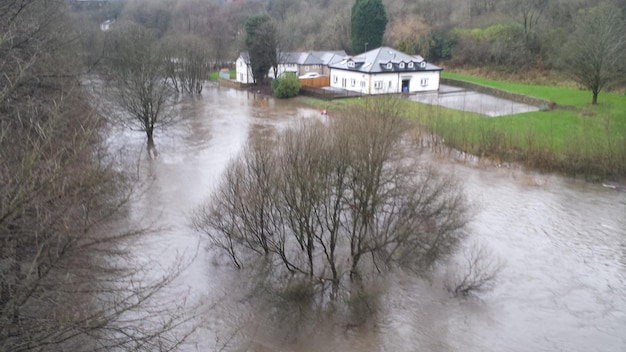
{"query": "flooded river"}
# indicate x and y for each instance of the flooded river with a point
(562, 242)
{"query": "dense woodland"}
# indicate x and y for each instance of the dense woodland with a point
(504, 35)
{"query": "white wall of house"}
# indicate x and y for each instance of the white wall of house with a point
(384, 83)
(350, 80)
(282, 68)
(243, 71)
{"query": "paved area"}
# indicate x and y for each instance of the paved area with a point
(465, 100)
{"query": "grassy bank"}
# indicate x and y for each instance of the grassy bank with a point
(583, 140)
(214, 75)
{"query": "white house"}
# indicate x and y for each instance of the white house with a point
(299, 63)
(243, 69)
(383, 71)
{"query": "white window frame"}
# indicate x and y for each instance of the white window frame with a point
(378, 84)
(389, 65)
(410, 65)
(423, 64)
(401, 65)
(424, 82)
(362, 84)
(353, 82)
(335, 79)
(350, 63)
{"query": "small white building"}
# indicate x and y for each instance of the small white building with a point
(106, 25)
(384, 71)
(243, 69)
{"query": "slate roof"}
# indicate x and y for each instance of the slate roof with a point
(312, 57)
(246, 58)
(378, 60)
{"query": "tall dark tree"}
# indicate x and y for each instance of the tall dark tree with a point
(595, 53)
(262, 45)
(369, 20)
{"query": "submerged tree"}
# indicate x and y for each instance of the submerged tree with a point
(368, 23)
(187, 63)
(136, 73)
(595, 53)
(335, 203)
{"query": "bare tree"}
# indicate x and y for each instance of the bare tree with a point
(595, 52)
(64, 279)
(187, 63)
(136, 80)
(329, 203)
(475, 272)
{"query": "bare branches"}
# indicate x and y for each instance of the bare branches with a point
(338, 201)
(137, 80)
(475, 272)
(65, 279)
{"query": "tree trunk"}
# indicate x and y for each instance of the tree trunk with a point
(149, 133)
(594, 100)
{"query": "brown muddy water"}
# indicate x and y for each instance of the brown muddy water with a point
(562, 242)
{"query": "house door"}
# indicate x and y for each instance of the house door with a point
(405, 85)
(344, 82)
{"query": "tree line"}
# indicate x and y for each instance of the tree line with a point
(502, 35)
(66, 279)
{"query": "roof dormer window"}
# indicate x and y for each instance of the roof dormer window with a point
(389, 66)
(423, 64)
(410, 64)
(350, 63)
(401, 65)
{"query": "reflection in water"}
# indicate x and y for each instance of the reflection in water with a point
(564, 243)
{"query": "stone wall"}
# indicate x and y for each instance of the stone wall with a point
(231, 83)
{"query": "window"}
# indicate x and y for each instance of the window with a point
(389, 65)
(350, 63)
(423, 64)
(353, 82)
(402, 65)
(410, 65)
(335, 79)
(378, 84)
(424, 82)
(362, 84)
(306, 68)
(390, 82)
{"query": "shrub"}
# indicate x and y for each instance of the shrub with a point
(286, 85)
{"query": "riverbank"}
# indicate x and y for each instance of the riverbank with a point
(571, 136)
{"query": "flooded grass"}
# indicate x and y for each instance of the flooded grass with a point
(588, 141)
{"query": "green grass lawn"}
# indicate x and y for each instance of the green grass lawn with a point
(583, 139)
(605, 120)
(560, 95)
(214, 75)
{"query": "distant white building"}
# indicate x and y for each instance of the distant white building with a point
(106, 25)
(243, 69)
(384, 71)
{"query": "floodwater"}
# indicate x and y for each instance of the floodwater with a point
(562, 242)
(466, 100)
